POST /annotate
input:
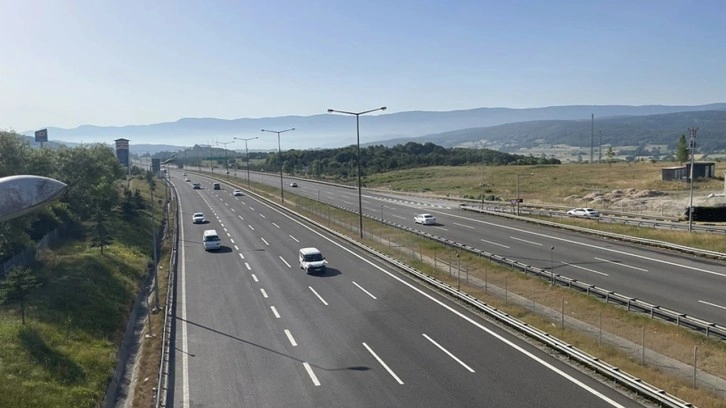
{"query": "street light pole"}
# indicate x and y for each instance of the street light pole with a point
(357, 133)
(247, 158)
(692, 135)
(226, 163)
(279, 156)
(527, 174)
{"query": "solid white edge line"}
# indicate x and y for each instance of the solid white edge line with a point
(381, 362)
(185, 338)
(319, 297)
(274, 311)
(365, 291)
(448, 353)
(289, 337)
(311, 374)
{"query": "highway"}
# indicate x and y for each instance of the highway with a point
(680, 282)
(253, 330)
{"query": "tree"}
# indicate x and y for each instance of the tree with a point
(101, 232)
(682, 150)
(17, 286)
(611, 155)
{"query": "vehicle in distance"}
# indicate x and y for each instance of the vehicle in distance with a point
(293, 184)
(198, 218)
(211, 240)
(196, 186)
(216, 186)
(312, 260)
(237, 192)
(584, 212)
(424, 219)
(187, 179)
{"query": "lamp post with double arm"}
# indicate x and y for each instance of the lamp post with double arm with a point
(357, 132)
(279, 158)
(247, 157)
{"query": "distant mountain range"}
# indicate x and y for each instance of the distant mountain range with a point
(497, 128)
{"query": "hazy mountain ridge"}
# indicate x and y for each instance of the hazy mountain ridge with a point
(331, 130)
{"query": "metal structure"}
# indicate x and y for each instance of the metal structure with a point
(226, 163)
(518, 199)
(247, 157)
(692, 148)
(357, 133)
(279, 156)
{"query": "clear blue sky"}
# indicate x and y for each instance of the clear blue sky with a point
(66, 63)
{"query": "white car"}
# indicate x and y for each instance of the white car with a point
(198, 218)
(584, 212)
(237, 193)
(424, 219)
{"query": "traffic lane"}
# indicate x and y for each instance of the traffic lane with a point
(325, 292)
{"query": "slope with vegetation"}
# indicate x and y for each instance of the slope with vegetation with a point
(62, 316)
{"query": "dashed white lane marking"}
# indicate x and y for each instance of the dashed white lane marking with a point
(524, 240)
(448, 353)
(712, 304)
(586, 269)
(241, 256)
(262, 215)
(293, 238)
(289, 337)
(283, 260)
(622, 264)
(311, 374)
(319, 297)
(370, 350)
(264, 294)
(266, 243)
(251, 227)
(494, 243)
(254, 278)
(364, 291)
(249, 268)
(463, 225)
(274, 311)
(276, 226)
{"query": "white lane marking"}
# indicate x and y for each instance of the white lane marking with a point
(274, 311)
(712, 304)
(225, 229)
(615, 251)
(264, 294)
(276, 226)
(311, 374)
(234, 209)
(249, 268)
(254, 277)
(241, 256)
(240, 217)
(283, 260)
(266, 243)
(262, 215)
(289, 337)
(184, 335)
(463, 225)
(461, 315)
(251, 208)
(251, 227)
(586, 269)
(319, 297)
(494, 243)
(370, 350)
(293, 238)
(348, 202)
(398, 216)
(442, 228)
(236, 248)
(365, 291)
(621, 264)
(448, 353)
(524, 240)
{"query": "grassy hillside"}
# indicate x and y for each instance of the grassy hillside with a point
(65, 353)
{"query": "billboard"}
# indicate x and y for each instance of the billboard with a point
(41, 135)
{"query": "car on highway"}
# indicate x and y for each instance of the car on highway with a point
(211, 241)
(187, 179)
(198, 218)
(584, 212)
(424, 219)
(312, 260)
(237, 193)
(197, 186)
(293, 184)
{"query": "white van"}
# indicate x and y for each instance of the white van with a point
(211, 240)
(312, 260)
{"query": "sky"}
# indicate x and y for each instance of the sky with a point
(66, 63)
